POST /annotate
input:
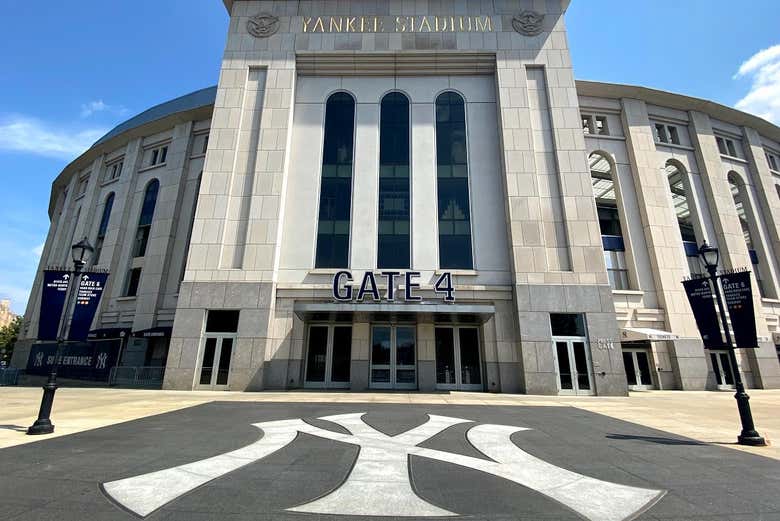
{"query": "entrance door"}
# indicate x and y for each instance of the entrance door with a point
(328, 356)
(215, 366)
(393, 357)
(724, 372)
(572, 361)
(458, 364)
(637, 364)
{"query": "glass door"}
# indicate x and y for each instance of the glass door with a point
(328, 356)
(215, 365)
(458, 365)
(637, 364)
(572, 362)
(393, 357)
(721, 366)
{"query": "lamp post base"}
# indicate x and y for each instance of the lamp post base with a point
(43, 424)
(752, 439)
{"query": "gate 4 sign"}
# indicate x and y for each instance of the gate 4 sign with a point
(378, 484)
(343, 290)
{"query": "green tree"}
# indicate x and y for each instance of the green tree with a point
(8, 335)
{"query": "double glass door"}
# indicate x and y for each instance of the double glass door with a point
(328, 356)
(393, 357)
(215, 366)
(637, 364)
(724, 371)
(572, 361)
(458, 364)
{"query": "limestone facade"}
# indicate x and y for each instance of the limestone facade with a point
(239, 191)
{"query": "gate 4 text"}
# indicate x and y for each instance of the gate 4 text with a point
(343, 289)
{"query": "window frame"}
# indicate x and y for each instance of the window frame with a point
(468, 183)
(379, 264)
(321, 177)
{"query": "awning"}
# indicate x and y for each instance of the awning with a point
(108, 332)
(369, 312)
(154, 332)
(635, 334)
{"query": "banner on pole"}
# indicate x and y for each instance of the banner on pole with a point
(55, 289)
(87, 299)
(702, 302)
(738, 294)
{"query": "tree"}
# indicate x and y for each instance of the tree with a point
(8, 336)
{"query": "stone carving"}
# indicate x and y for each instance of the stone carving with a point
(528, 23)
(263, 25)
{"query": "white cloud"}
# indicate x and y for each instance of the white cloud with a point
(87, 109)
(38, 250)
(763, 70)
(18, 296)
(20, 133)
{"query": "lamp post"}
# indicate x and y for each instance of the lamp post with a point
(80, 253)
(749, 436)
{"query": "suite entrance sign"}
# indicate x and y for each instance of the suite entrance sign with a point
(345, 291)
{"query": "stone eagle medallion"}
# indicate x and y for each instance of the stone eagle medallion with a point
(263, 25)
(528, 23)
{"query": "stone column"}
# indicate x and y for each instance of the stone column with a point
(664, 243)
(731, 241)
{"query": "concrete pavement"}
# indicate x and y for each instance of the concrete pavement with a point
(710, 417)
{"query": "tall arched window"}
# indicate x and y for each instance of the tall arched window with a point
(394, 183)
(452, 175)
(145, 219)
(739, 194)
(601, 177)
(336, 185)
(682, 208)
(101, 235)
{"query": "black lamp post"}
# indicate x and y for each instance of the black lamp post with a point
(80, 253)
(749, 436)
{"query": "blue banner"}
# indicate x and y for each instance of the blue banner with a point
(55, 288)
(83, 361)
(738, 294)
(702, 303)
(87, 300)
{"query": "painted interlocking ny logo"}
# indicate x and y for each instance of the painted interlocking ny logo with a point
(378, 484)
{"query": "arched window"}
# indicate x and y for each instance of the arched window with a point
(101, 235)
(145, 219)
(682, 209)
(191, 226)
(336, 186)
(739, 194)
(394, 183)
(452, 175)
(601, 176)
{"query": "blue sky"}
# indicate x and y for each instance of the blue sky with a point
(73, 70)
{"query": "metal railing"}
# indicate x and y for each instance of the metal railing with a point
(9, 376)
(136, 376)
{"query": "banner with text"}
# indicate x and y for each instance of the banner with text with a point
(738, 294)
(87, 300)
(703, 305)
(55, 289)
(83, 361)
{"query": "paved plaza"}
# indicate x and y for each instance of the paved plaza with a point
(324, 456)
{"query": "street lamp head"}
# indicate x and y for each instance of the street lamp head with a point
(708, 255)
(81, 252)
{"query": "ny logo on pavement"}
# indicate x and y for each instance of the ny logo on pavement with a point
(378, 484)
